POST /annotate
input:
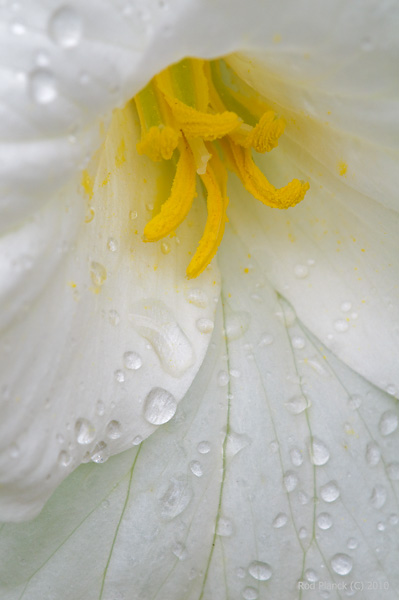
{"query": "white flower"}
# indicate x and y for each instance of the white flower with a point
(280, 465)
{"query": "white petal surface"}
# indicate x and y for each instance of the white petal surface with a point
(94, 364)
(279, 468)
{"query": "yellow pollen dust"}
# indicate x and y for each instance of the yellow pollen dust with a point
(203, 119)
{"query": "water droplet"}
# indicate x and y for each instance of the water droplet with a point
(133, 215)
(100, 408)
(114, 317)
(179, 550)
(176, 498)
(265, 340)
(352, 543)
(319, 452)
(302, 533)
(132, 361)
(224, 527)
(260, 570)
(137, 440)
(355, 402)
(154, 321)
(381, 526)
(113, 430)
(341, 325)
(223, 378)
(237, 324)
(373, 454)
(13, 450)
(159, 406)
(301, 271)
(280, 520)
(98, 273)
(393, 519)
(64, 459)
(17, 28)
(298, 342)
(197, 297)
(196, 468)
(391, 389)
(65, 27)
(240, 572)
(393, 471)
(236, 442)
(346, 306)
(378, 496)
(204, 447)
(100, 453)
(250, 593)
(311, 575)
(290, 480)
(341, 564)
(112, 244)
(296, 457)
(84, 431)
(297, 405)
(329, 492)
(43, 87)
(205, 325)
(165, 247)
(119, 376)
(388, 422)
(324, 521)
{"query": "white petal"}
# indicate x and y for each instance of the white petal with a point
(275, 471)
(101, 337)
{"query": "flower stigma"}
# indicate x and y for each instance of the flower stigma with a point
(203, 119)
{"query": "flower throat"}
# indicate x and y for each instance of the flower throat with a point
(205, 120)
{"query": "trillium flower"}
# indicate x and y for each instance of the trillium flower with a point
(247, 417)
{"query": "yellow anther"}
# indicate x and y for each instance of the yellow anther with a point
(214, 229)
(177, 206)
(264, 136)
(158, 143)
(256, 183)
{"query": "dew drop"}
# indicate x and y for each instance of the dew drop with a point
(165, 247)
(197, 297)
(113, 430)
(280, 520)
(100, 408)
(17, 28)
(205, 325)
(298, 342)
(329, 492)
(296, 457)
(98, 273)
(388, 422)
(391, 389)
(355, 402)
(236, 442)
(133, 215)
(137, 440)
(250, 593)
(179, 550)
(373, 454)
(265, 340)
(260, 571)
(301, 271)
(346, 306)
(240, 572)
(112, 244)
(119, 376)
(42, 86)
(159, 406)
(132, 361)
(341, 325)
(100, 453)
(204, 447)
(84, 431)
(176, 498)
(381, 526)
(324, 521)
(223, 378)
(65, 27)
(341, 564)
(297, 405)
(378, 496)
(393, 519)
(64, 459)
(290, 480)
(302, 533)
(319, 452)
(311, 576)
(196, 468)
(224, 527)
(114, 317)
(352, 543)
(237, 324)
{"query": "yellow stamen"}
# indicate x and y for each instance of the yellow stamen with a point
(177, 206)
(264, 136)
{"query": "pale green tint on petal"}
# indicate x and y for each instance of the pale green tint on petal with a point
(101, 333)
(279, 455)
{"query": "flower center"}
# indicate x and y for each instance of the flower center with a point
(204, 119)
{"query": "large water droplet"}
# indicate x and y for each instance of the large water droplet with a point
(324, 521)
(98, 273)
(329, 492)
(204, 325)
(159, 406)
(388, 422)
(311, 575)
(42, 85)
(176, 498)
(342, 564)
(197, 297)
(260, 570)
(100, 453)
(297, 404)
(224, 527)
(280, 520)
(378, 496)
(373, 454)
(204, 447)
(65, 27)
(156, 324)
(132, 360)
(113, 430)
(319, 452)
(84, 431)
(290, 481)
